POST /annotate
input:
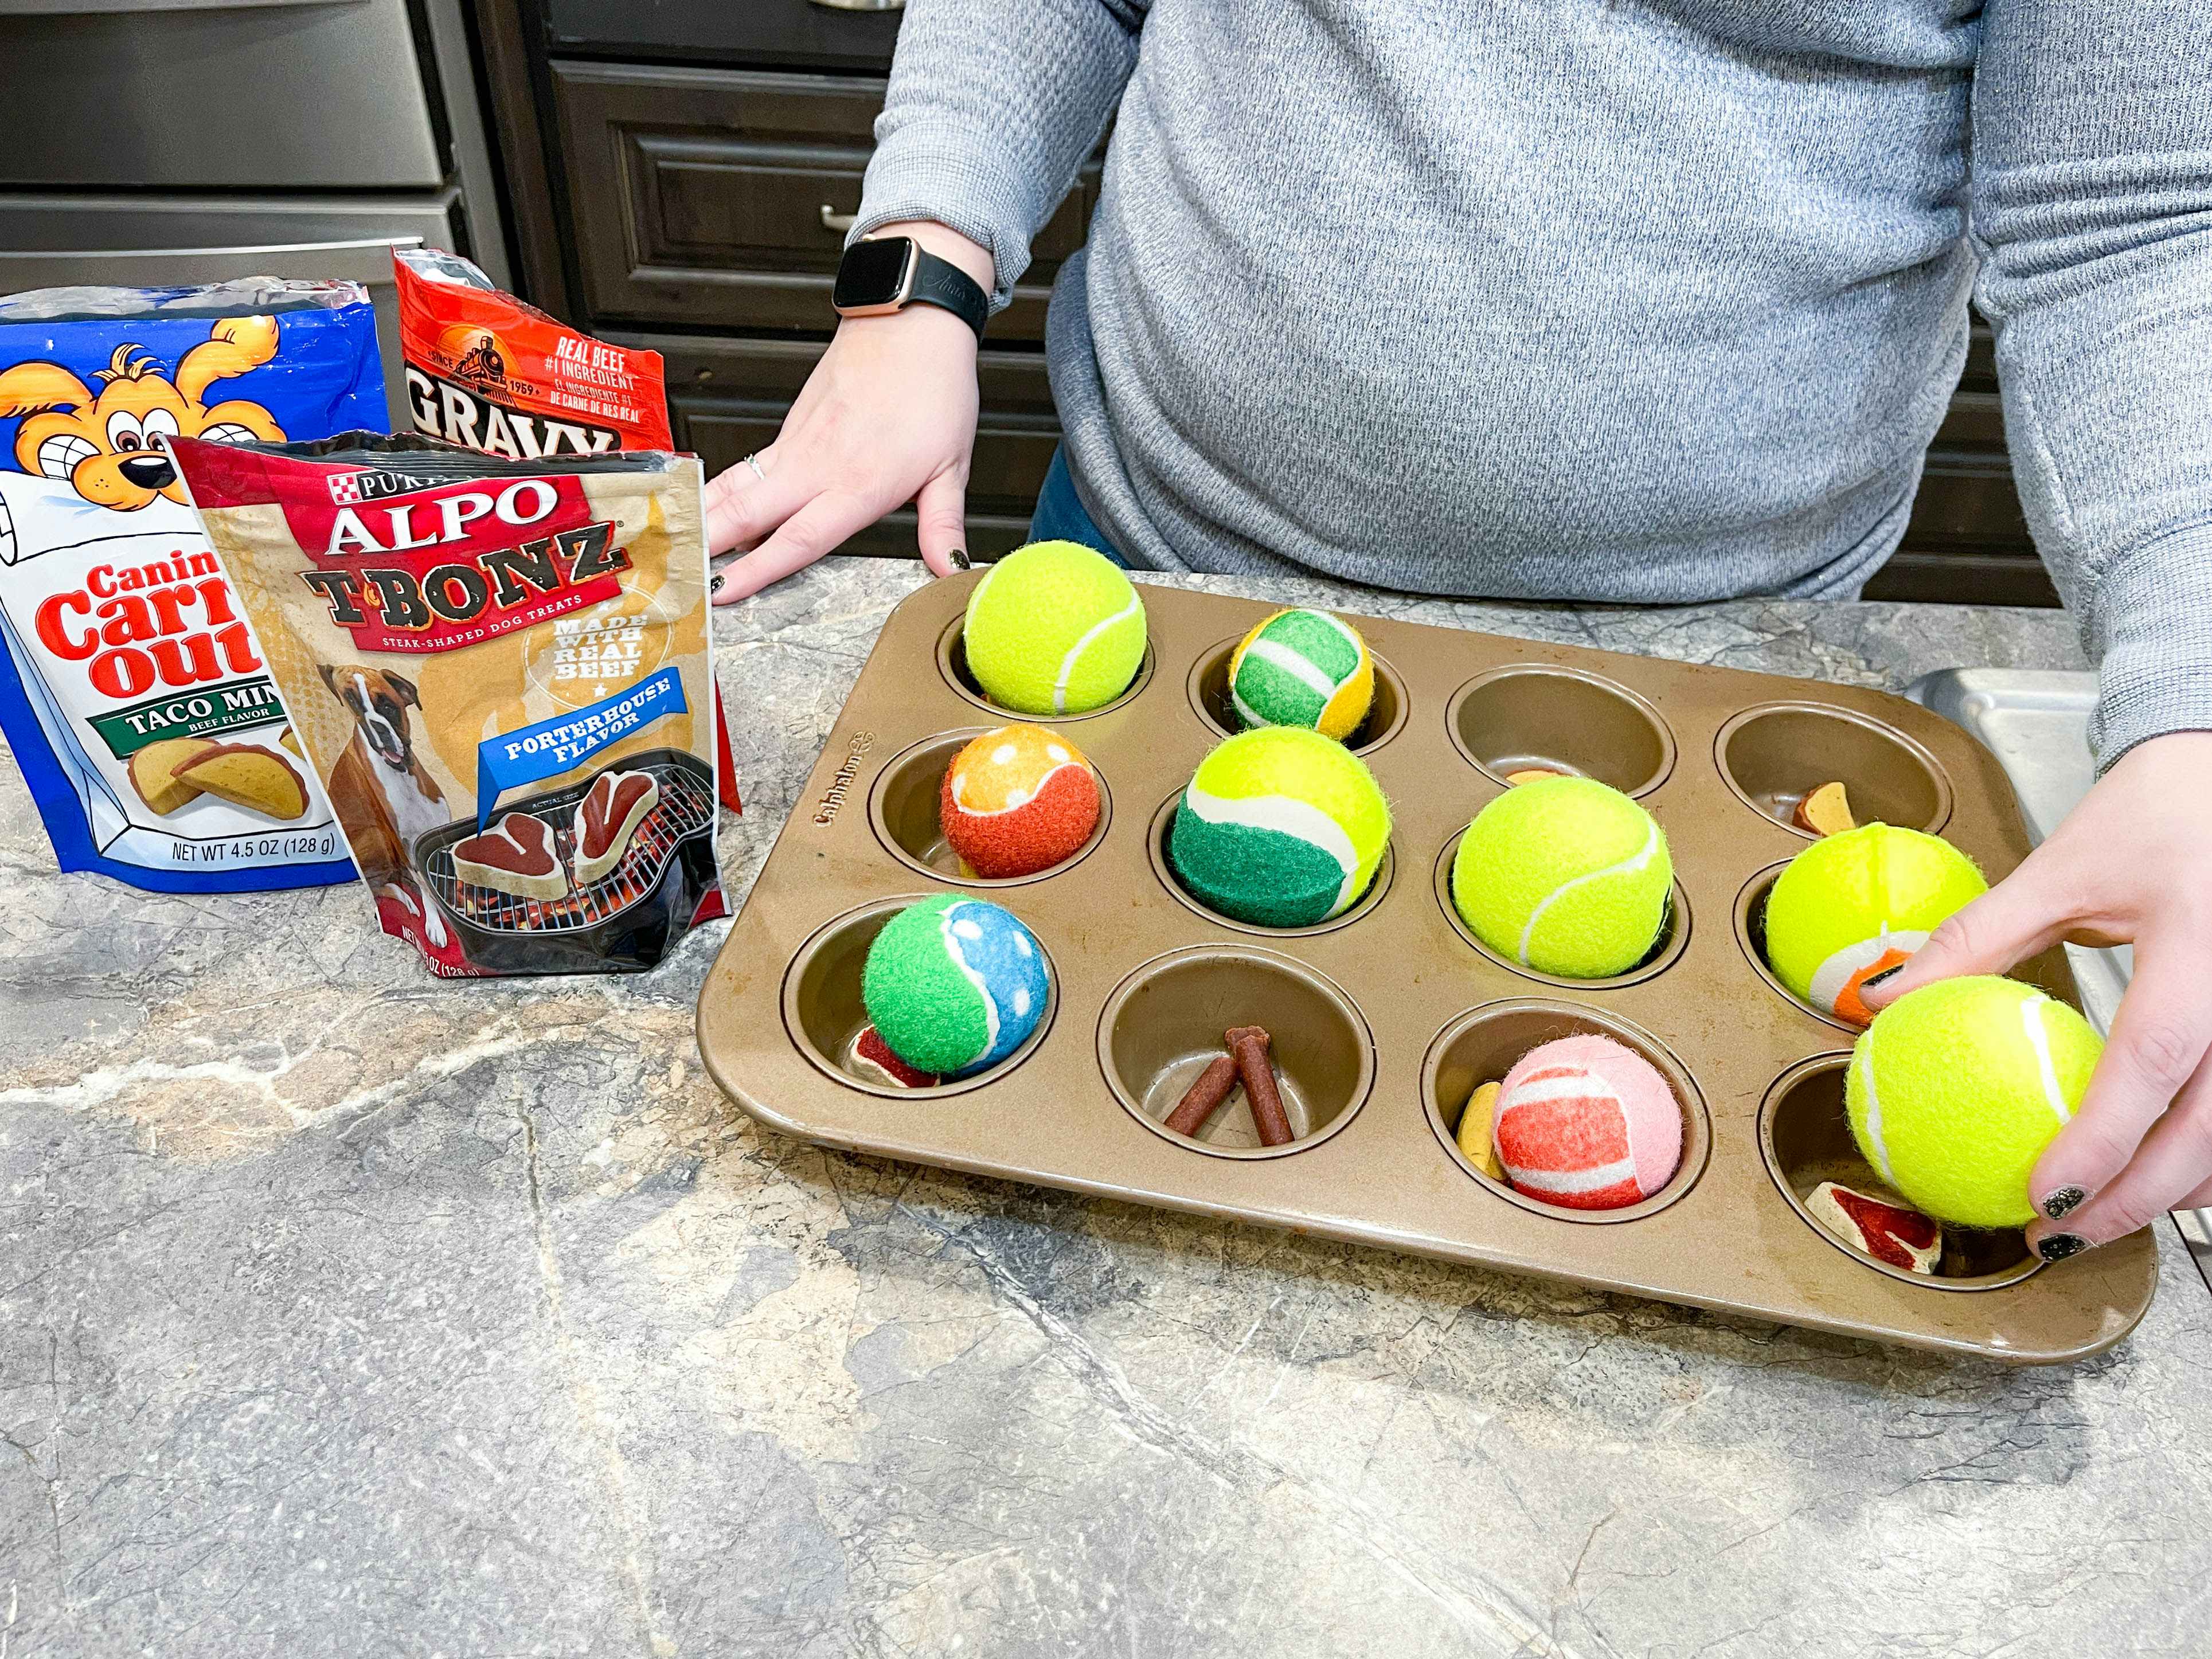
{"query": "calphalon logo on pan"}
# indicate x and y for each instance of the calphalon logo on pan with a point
(833, 798)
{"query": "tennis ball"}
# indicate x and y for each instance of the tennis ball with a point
(1856, 903)
(1280, 827)
(1054, 628)
(1587, 1123)
(1956, 1088)
(1565, 876)
(1018, 800)
(954, 985)
(1302, 668)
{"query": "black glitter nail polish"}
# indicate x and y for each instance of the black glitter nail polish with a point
(715, 587)
(2062, 1200)
(1876, 979)
(960, 559)
(2059, 1246)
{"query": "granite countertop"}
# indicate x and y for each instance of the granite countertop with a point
(344, 1311)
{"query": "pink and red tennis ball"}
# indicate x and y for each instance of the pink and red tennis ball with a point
(1016, 800)
(1588, 1124)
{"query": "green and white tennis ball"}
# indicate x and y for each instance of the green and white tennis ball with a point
(1957, 1088)
(1566, 876)
(1302, 668)
(1054, 628)
(954, 985)
(1281, 828)
(1858, 903)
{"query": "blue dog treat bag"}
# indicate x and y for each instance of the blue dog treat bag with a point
(133, 692)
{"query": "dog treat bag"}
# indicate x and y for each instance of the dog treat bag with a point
(498, 670)
(132, 691)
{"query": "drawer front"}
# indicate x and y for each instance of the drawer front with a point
(810, 33)
(706, 197)
(728, 398)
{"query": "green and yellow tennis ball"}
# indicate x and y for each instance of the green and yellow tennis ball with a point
(1858, 903)
(1280, 827)
(1302, 668)
(1054, 628)
(1957, 1088)
(1566, 876)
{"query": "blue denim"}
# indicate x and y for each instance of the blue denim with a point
(1060, 516)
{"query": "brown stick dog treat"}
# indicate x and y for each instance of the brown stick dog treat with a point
(1249, 1043)
(1204, 1097)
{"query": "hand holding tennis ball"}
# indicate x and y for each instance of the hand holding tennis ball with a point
(1566, 876)
(1054, 628)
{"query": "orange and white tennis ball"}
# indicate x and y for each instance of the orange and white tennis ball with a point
(1588, 1124)
(1016, 800)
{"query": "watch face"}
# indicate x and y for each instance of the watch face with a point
(872, 273)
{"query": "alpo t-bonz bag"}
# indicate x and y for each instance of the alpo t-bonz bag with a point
(132, 691)
(499, 670)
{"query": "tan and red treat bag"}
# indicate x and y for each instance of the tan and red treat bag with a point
(498, 670)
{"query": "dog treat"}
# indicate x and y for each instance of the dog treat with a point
(1476, 1141)
(1204, 1097)
(124, 644)
(249, 776)
(466, 642)
(1249, 1044)
(290, 739)
(1532, 775)
(873, 1059)
(1886, 1231)
(1826, 810)
(606, 818)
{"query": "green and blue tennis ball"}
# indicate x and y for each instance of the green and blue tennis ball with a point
(1054, 628)
(1856, 904)
(1957, 1088)
(1302, 668)
(954, 985)
(1280, 827)
(1566, 876)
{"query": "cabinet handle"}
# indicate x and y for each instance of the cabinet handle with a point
(840, 222)
(862, 5)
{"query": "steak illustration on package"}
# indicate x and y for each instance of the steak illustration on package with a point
(132, 690)
(481, 658)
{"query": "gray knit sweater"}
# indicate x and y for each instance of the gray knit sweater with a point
(1612, 299)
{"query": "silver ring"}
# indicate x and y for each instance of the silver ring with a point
(753, 461)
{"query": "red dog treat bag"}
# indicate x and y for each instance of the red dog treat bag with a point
(498, 670)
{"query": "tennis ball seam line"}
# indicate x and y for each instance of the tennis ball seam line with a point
(1627, 866)
(1285, 815)
(1302, 669)
(1043, 783)
(1135, 607)
(1575, 1085)
(1864, 1061)
(982, 987)
(2039, 1040)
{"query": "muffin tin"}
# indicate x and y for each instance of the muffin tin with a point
(1385, 1019)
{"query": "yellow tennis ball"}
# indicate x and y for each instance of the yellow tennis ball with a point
(1566, 876)
(1957, 1088)
(1054, 628)
(1852, 905)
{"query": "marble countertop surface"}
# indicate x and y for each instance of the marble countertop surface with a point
(344, 1311)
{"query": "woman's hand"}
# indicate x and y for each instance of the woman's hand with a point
(888, 417)
(2132, 864)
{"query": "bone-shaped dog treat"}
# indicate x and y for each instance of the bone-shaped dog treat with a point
(1249, 1044)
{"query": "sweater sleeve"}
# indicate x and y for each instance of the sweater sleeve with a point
(2092, 212)
(992, 106)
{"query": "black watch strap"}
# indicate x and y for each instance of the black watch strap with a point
(940, 283)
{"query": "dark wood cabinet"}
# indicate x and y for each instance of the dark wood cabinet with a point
(680, 171)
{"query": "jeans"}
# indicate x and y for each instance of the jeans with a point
(1060, 516)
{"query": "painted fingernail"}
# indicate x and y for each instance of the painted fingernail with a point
(715, 586)
(1876, 979)
(961, 561)
(2062, 1199)
(2056, 1247)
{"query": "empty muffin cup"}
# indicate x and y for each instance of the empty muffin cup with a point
(1164, 1025)
(1162, 831)
(1774, 755)
(902, 806)
(1806, 1138)
(1532, 718)
(1482, 1045)
(952, 663)
(1209, 696)
(1666, 950)
(825, 1016)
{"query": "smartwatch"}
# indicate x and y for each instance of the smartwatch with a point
(888, 273)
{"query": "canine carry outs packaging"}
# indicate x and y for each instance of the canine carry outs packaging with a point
(498, 670)
(132, 691)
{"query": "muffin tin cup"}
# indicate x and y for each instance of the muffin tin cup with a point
(1805, 1139)
(1209, 696)
(1163, 1025)
(1163, 827)
(952, 663)
(1382, 1018)
(823, 1015)
(902, 806)
(1674, 937)
(1751, 936)
(1480, 1047)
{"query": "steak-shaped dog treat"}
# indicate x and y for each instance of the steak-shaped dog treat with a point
(612, 808)
(515, 856)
